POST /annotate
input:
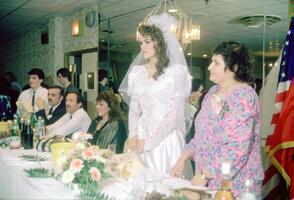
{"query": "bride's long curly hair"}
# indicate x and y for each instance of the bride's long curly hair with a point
(156, 35)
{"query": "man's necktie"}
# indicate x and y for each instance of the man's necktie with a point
(33, 99)
(50, 111)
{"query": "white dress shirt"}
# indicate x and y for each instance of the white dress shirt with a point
(27, 95)
(78, 121)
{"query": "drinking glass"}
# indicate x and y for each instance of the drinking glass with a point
(112, 148)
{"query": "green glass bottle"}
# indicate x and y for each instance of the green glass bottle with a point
(28, 135)
(33, 120)
(15, 128)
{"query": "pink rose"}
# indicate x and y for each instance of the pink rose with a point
(76, 165)
(216, 103)
(95, 174)
(88, 154)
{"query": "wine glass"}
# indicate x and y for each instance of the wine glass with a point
(112, 149)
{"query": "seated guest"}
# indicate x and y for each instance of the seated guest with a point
(108, 127)
(28, 97)
(5, 100)
(64, 78)
(75, 119)
(57, 108)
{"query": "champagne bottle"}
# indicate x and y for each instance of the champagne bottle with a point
(28, 135)
(225, 192)
(248, 193)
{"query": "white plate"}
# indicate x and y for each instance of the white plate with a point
(178, 183)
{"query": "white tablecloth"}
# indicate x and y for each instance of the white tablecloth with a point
(14, 184)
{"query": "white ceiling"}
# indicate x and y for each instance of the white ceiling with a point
(17, 16)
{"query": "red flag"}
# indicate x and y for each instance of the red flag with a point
(280, 145)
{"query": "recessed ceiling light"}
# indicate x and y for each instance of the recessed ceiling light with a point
(270, 64)
(204, 55)
(256, 20)
(189, 54)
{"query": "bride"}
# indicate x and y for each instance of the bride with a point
(156, 87)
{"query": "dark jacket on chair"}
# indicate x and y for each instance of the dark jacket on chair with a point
(56, 114)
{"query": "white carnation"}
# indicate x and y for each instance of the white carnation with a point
(67, 177)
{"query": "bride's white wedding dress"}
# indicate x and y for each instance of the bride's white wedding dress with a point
(154, 114)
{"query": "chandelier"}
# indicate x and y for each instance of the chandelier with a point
(185, 30)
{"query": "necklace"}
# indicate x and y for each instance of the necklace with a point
(101, 124)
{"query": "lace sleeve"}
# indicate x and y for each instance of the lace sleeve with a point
(134, 114)
(134, 106)
(174, 118)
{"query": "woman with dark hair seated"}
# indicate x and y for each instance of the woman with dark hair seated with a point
(108, 127)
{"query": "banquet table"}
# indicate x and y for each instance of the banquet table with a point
(15, 184)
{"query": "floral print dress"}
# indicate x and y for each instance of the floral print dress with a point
(229, 129)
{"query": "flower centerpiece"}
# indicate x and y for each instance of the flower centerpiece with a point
(83, 165)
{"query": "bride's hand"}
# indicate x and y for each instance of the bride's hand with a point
(178, 169)
(140, 145)
(132, 143)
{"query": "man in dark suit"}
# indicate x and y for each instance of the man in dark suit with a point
(57, 108)
(64, 78)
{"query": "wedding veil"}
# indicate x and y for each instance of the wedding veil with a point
(174, 52)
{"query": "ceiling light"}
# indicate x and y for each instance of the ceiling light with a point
(270, 64)
(189, 54)
(185, 31)
(255, 21)
(172, 10)
(204, 55)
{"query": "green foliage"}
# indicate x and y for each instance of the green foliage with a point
(34, 158)
(38, 173)
(92, 195)
(3, 145)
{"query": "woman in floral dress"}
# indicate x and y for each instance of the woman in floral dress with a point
(228, 124)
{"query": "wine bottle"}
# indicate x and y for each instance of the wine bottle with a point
(28, 135)
(225, 191)
(22, 130)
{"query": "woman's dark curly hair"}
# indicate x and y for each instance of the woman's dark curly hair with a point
(156, 35)
(115, 112)
(237, 59)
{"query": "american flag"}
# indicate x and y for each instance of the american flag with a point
(280, 144)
